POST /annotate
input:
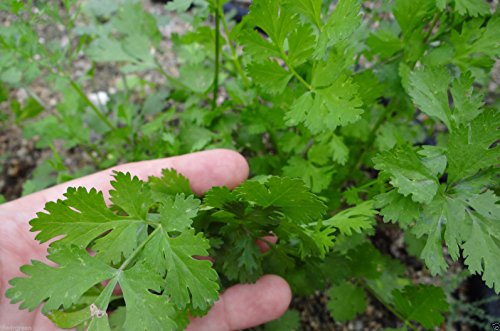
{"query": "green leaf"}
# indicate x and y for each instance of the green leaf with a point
(482, 243)
(131, 194)
(467, 105)
(270, 76)
(273, 18)
(445, 214)
(301, 44)
(176, 214)
(310, 9)
(179, 5)
(472, 7)
(291, 195)
(81, 218)
(242, 259)
(188, 279)
(326, 109)
(120, 242)
(395, 207)
(217, 197)
(346, 301)
(424, 304)
(144, 309)
(470, 146)
(357, 219)
(170, 183)
(316, 178)
(60, 286)
(290, 321)
(429, 91)
(408, 174)
(476, 39)
(341, 24)
(259, 48)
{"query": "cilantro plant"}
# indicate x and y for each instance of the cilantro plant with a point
(386, 111)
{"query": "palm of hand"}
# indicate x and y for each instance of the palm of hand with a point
(239, 307)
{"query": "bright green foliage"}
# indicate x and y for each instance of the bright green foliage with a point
(429, 90)
(270, 75)
(424, 304)
(397, 208)
(61, 286)
(355, 219)
(153, 248)
(408, 174)
(145, 310)
(290, 321)
(346, 301)
(474, 141)
(289, 195)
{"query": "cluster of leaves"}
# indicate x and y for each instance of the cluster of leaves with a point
(148, 242)
(378, 107)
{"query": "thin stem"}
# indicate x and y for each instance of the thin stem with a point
(235, 58)
(432, 26)
(217, 55)
(292, 70)
(168, 76)
(138, 249)
(371, 139)
(89, 103)
(386, 305)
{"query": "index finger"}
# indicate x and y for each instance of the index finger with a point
(204, 170)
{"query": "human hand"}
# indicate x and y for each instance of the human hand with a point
(239, 307)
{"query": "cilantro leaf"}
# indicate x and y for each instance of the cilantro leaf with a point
(424, 304)
(60, 286)
(273, 18)
(470, 146)
(357, 219)
(301, 44)
(429, 91)
(328, 108)
(82, 217)
(258, 47)
(481, 247)
(291, 195)
(176, 214)
(397, 208)
(310, 9)
(341, 24)
(131, 195)
(144, 309)
(270, 75)
(187, 279)
(467, 104)
(472, 7)
(408, 174)
(317, 178)
(346, 301)
(170, 183)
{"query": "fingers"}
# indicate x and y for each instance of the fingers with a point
(203, 169)
(246, 305)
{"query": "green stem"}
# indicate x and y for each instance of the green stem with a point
(138, 249)
(217, 55)
(371, 139)
(89, 103)
(292, 70)
(386, 305)
(235, 58)
(432, 26)
(168, 76)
